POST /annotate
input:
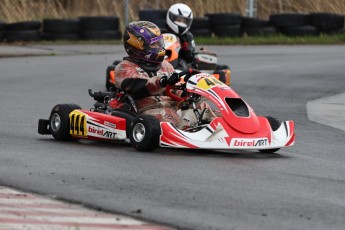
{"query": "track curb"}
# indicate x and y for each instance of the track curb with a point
(21, 210)
(328, 111)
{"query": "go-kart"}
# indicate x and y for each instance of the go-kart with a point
(115, 118)
(204, 60)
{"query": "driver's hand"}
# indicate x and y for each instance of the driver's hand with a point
(173, 79)
(163, 81)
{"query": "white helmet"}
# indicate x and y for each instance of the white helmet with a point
(179, 18)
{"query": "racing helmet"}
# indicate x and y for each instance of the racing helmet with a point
(143, 41)
(179, 18)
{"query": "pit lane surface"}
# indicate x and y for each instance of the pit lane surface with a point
(297, 188)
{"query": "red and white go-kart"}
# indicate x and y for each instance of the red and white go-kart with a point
(236, 127)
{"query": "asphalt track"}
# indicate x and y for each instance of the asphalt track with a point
(301, 187)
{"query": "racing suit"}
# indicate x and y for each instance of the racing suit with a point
(145, 88)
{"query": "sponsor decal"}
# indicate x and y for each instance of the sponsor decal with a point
(109, 134)
(207, 58)
(101, 132)
(206, 82)
(236, 142)
(110, 124)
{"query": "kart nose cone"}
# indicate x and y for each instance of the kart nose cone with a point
(55, 122)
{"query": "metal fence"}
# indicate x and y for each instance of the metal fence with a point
(23, 10)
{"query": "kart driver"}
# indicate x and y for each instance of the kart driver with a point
(179, 20)
(144, 75)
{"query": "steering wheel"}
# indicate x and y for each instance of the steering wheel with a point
(188, 73)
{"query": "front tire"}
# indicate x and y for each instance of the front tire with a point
(59, 123)
(144, 133)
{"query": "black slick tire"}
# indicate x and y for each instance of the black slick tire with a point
(144, 133)
(59, 122)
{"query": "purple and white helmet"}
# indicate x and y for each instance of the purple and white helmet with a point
(143, 40)
(179, 18)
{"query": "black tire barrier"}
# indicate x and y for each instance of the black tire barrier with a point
(289, 20)
(2, 25)
(64, 26)
(227, 30)
(327, 22)
(224, 19)
(151, 14)
(341, 31)
(299, 31)
(207, 32)
(221, 24)
(160, 22)
(27, 25)
(261, 31)
(22, 35)
(2, 35)
(255, 23)
(60, 36)
(200, 23)
(99, 23)
(100, 35)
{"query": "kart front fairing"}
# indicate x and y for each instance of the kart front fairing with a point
(238, 127)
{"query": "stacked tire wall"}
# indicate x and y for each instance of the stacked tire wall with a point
(226, 24)
(257, 27)
(201, 27)
(234, 25)
(82, 28)
(22, 31)
(60, 29)
(216, 24)
(158, 17)
(293, 24)
(2, 30)
(99, 28)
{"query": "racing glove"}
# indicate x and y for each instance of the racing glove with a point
(173, 79)
(163, 81)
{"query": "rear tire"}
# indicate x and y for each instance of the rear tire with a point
(275, 124)
(144, 133)
(59, 123)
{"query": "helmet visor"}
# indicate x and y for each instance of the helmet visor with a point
(181, 20)
(157, 42)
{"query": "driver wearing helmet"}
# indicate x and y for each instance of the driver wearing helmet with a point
(179, 20)
(143, 74)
